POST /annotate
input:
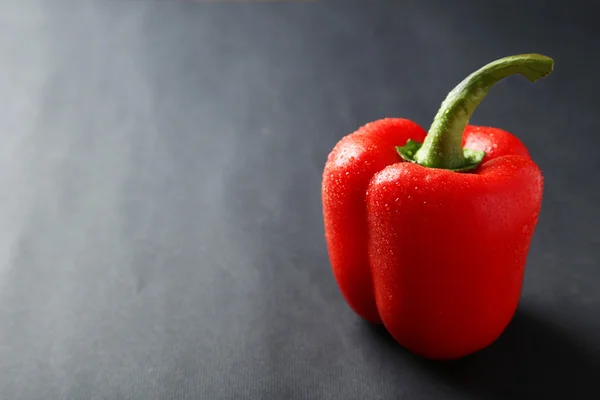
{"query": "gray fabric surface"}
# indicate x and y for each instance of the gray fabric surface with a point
(160, 220)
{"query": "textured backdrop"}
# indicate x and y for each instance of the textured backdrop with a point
(160, 224)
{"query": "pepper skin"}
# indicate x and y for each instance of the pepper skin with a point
(431, 239)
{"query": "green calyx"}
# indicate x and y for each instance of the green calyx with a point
(442, 147)
(472, 158)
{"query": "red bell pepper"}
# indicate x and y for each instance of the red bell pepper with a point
(428, 233)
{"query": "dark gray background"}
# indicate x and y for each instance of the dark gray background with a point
(160, 219)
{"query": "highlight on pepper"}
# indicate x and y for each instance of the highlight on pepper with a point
(428, 232)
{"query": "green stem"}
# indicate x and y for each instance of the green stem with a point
(442, 147)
